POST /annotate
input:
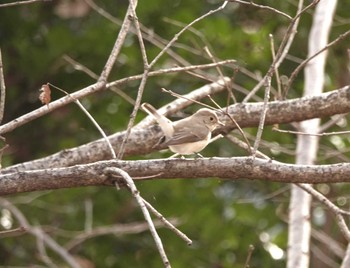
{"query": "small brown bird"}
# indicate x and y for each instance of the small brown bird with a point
(189, 135)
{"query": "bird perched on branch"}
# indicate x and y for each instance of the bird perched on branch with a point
(189, 135)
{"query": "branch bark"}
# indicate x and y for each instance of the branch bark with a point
(224, 168)
(142, 140)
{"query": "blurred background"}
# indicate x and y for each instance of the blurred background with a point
(67, 43)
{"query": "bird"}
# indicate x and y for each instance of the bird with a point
(189, 135)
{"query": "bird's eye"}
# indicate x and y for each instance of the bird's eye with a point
(211, 118)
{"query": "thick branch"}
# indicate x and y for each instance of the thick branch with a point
(224, 168)
(141, 141)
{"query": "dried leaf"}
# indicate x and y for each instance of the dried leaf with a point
(45, 94)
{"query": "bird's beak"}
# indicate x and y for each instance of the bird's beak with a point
(221, 123)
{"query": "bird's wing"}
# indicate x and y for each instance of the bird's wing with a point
(186, 135)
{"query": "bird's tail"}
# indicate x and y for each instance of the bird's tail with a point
(165, 124)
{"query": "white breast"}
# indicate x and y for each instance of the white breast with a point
(190, 148)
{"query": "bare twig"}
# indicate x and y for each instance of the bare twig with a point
(17, 3)
(80, 67)
(302, 65)
(291, 32)
(168, 223)
(48, 108)
(183, 101)
(333, 208)
(117, 46)
(170, 70)
(136, 194)
(2, 89)
(283, 47)
(110, 147)
(226, 113)
(249, 256)
(146, 67)
(346, 259)
(42, 251)
(278, 80)
(263, 114)
(174, 39)
(38, 233)
(312, 134)
(250, 3)
(228, 85)
(244, 145)
(149, 34)
(334, 120)
(116, 229)
(13, 232)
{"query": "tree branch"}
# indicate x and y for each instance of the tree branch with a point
(96, 174)
(142, 140)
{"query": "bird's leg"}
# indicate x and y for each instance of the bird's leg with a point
(198, 155)
(174, 155)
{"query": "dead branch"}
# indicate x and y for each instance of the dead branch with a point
(142, 140)
(96, 174)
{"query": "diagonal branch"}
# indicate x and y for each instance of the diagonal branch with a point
(92, 89)
(142, 140)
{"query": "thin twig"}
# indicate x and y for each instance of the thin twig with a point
(186, 100)
(334, 120)
(39, 233)
(91, 119)
(283, 47)
(233, 121)
(302, 65)
(244, 145)
(146, 68)
(80, 67)
(42, 251)
(167, 223)
(277, 75)
(170, 70)
(172, 41)
(13, 232)
(249, 256)
(149, 34)
(115, 229)
(291, 32)
(117, 46)
(263, 114)
(139, 199)
(228, 85)
(333, 208)
(250, 3)
(312, 134)
(17, 3)
(172, 93)
(2, 89)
